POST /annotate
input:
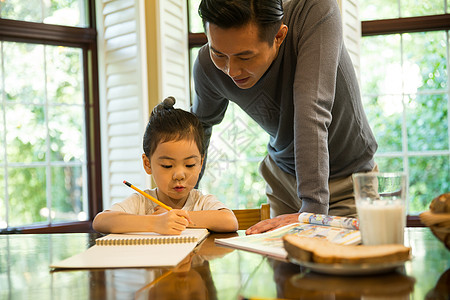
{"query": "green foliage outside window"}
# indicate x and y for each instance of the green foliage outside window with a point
(390, 9)
(236, 149)
(43, 113)
(405, 88)
(59, 12)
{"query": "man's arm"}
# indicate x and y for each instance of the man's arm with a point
(319, 47)
(319, 50)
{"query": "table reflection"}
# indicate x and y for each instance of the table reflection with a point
(190, 282)
(191, 279)
(295, 283)
(211, 272)
(426, 275)
(442, 288)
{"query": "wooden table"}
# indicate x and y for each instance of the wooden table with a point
(212, 273)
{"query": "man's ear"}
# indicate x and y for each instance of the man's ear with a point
(281, 35)
(146, 163)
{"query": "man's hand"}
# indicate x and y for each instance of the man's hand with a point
(274, 223)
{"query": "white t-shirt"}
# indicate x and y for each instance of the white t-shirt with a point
(139, 205)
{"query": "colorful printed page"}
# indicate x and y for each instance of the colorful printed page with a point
(271, 243)
(335, 221)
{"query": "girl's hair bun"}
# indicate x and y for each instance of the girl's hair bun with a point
(168, 103)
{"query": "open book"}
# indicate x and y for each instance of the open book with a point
(131, 250)
(338, 230)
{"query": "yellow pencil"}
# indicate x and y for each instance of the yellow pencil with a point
(147, 195)
(154, 282)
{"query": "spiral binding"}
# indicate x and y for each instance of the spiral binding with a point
(146, 241)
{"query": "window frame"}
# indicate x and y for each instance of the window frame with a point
(85, 39)
(406, 25)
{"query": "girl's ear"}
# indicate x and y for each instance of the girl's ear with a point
(146, 163)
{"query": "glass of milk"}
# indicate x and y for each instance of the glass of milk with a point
(381, 207)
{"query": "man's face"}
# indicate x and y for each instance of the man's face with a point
(239, 53)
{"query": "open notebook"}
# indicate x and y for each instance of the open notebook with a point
(131, 250)
(338, 230)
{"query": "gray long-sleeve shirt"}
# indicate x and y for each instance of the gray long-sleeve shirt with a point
(308, 101)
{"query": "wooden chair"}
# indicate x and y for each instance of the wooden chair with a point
(251, 216)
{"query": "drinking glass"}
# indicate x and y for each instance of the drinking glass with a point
(381, 206)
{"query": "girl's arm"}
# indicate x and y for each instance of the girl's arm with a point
(171, 222)
(222, 220)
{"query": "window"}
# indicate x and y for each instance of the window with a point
(237, 145)
(49, 154)
(405, 87)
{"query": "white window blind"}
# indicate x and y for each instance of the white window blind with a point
(352, 31)
(129, 32)
(174, 51)
(121, 97)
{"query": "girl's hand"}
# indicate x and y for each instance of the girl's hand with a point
(172, 222)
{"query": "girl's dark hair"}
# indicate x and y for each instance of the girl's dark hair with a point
(171, 124)
(266, 14)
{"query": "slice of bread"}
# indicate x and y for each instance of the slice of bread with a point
(440, 204)
(325, 252)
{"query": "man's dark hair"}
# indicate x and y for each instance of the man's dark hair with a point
(172, 124)
(266, 14)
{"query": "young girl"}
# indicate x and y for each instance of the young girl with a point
(173, 154)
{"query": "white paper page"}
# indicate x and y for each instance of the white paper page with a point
(128, 256)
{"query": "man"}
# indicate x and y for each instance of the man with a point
(285, 65)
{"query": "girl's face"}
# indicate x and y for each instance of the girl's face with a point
(175, 166)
